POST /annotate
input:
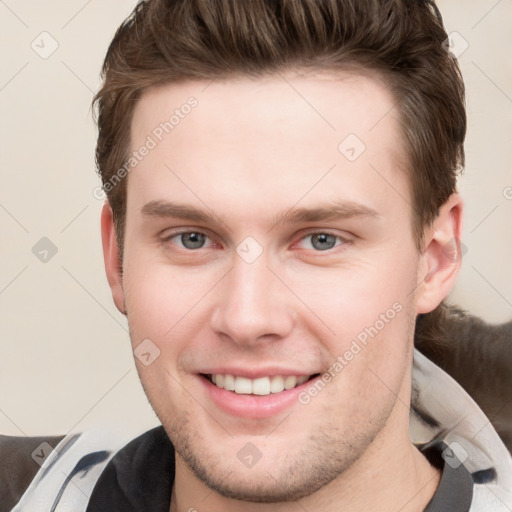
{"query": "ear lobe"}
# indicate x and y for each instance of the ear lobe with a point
(113, 266)
(442, 256)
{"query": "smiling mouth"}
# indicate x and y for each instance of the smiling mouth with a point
(261, 386)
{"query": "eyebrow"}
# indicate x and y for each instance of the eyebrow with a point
(292, 215)
(332, 211)
(165, 209)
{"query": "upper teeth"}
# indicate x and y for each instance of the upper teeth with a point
(260, 386)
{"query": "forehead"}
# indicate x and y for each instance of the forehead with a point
(329, 102)
(279, 136)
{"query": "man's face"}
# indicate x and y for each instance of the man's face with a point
(232, 267)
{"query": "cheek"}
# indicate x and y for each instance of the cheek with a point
(367, 310)
(351, 298)
(161, 293)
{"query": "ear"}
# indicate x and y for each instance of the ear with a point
(113, 266)
(442, 256)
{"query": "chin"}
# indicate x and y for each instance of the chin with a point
(289, 475)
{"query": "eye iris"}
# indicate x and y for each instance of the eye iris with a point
(192, 240)
(323, 241)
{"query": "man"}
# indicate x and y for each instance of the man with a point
(281, 207)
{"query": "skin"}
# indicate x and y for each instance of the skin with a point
(249, 151)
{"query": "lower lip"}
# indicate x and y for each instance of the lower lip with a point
(253, 406)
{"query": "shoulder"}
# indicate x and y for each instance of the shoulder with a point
(441, 410)
(48, 472)
(20, 460)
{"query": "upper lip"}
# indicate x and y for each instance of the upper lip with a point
(255, 373)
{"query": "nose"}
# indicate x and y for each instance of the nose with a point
(252, 305)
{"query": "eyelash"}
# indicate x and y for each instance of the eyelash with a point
(343, 241)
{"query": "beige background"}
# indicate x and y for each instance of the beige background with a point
(66, 362)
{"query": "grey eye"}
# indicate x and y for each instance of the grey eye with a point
(323, 241)
(192, 240)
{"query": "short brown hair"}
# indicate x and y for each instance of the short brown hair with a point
(166, 41)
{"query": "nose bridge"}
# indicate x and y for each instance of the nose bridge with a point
(252, 304)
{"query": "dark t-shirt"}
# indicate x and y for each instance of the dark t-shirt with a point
(139, 478)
